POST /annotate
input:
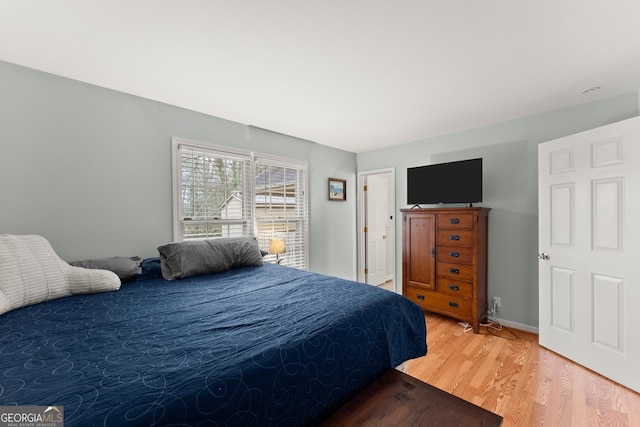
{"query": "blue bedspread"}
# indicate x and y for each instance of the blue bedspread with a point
(264, 345)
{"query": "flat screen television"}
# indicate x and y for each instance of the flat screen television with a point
(453, 182)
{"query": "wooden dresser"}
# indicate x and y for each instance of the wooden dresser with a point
(444, 261)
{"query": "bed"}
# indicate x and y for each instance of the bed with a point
(252, 345)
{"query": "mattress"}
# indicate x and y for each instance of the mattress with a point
(267, 345)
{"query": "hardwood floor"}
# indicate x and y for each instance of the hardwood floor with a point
(511, 375)
(388, 285)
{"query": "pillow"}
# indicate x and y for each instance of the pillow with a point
(193, 257)
(91, 281)
(127, 269)
(31, 272)
(150, 269)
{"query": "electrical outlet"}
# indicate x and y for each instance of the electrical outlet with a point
(496, 302)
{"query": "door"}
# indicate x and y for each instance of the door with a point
(589, 244)
(419, 250)
(377, 228)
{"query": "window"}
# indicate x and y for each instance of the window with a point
(281, 208)
(221, 192)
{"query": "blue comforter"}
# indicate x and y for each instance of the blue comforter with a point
(264, 345)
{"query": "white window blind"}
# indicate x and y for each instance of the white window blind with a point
(281, 208)
(214, 193)
(219, 192)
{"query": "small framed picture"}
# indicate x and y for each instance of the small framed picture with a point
(337, 189)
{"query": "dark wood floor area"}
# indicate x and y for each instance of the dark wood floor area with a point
(511, 375)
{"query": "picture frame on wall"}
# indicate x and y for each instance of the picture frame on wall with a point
(337, 189)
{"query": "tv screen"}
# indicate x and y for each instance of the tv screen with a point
(453, 182)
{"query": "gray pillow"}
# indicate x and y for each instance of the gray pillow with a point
(127, 268)
(194, 257)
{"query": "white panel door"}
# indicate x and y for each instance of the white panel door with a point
(589, 242)
(377, 223)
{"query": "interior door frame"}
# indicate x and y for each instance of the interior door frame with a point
(362, 211)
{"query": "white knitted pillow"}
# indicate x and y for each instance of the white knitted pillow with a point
(31, 272)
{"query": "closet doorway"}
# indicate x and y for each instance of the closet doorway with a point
(376, 227)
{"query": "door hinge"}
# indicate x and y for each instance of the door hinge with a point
(366, 188)
(366, 230)
(366, 271)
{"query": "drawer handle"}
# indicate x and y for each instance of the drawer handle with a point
(420, 297)
(454, 254)
(454, 287)
(454, 237)
(453, 304)
(454, 270)
(454, 221)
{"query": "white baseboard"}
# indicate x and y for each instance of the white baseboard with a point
(520, 326)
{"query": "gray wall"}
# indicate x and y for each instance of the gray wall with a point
(90, 169)
(509, 151)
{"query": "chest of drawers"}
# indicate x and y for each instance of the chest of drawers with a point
(444, 261)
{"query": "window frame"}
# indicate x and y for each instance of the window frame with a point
(302, 220)
(253, 158)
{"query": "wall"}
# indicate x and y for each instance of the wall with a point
(509, 151)
(90, 169)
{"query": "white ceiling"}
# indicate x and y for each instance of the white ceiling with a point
(352, 74)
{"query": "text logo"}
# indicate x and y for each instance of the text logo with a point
(31, 416)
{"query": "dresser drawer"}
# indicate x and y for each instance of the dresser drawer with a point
(419, 295)
(450, 304)
(456, 271)
(455, 287)
(462, 254)
(455, 220)
(455, 237)
(440, 302)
